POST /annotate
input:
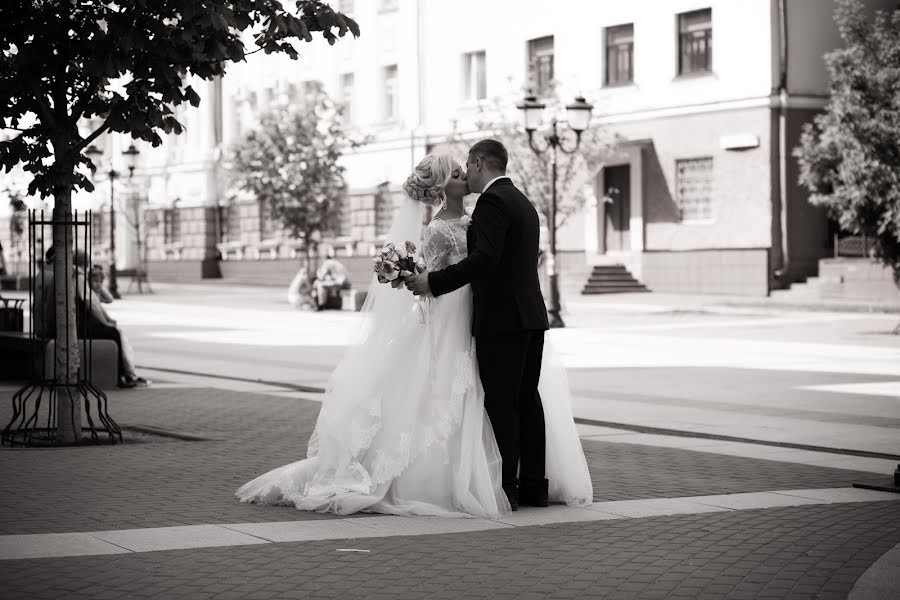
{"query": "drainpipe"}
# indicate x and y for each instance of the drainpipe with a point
(420, 88)
(781, 273)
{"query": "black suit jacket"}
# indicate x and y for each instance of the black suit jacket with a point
(503, 242)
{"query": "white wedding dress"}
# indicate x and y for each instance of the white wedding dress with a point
(402, 429)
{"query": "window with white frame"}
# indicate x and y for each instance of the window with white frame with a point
(99, 227)
(474, 84)
(384, 209)
(694, 189)
(345, 91)
(391, 98)
(171, 225)
(695, 42)
(345, 221)
(540, 65)
(620, 54)
(230, 222)
(266, 221)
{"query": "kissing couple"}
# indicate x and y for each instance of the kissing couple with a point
(467, 413)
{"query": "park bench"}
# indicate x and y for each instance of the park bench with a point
(352, 299)
(16, 353)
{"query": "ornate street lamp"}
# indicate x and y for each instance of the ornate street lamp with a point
(131, 156)
(93, 152)
(578, 116)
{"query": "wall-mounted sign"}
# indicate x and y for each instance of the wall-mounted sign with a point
(739, 141)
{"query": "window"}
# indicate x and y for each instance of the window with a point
(540, 65)
(171, 226)
(345, 221)
(311, 88)
(695, 42)
(391, 99)
(474, 87)
(387, 5)
(99, 227)
(291, 92)
(346, 7)
(384, 210)
(345, 89)
(230, 222)
(620, 54)
(694, 188)
(266, 221)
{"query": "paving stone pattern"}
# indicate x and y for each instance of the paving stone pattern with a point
(799, 552)
(161, 482)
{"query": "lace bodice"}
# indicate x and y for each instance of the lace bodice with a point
(445, 243)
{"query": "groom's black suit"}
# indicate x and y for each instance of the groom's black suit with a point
(509, 322)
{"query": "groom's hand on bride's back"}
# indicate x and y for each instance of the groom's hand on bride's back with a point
(418, 284)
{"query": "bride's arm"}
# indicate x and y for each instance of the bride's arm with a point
(490, 222)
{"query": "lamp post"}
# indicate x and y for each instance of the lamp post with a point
(578, 115)
(131, 155)
(93, 151)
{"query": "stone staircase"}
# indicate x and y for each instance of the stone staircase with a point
(807, 290)
(612, 279)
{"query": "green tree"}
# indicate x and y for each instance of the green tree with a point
(849, 155)
(122, 67)
(291, 162)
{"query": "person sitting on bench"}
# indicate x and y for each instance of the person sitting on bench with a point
(94, 323)
(331, 278)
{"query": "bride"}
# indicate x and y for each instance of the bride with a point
(402, 429)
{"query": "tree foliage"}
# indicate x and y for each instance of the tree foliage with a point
(532, 172)
(72, 70)
(850, 156)
(126, 65)
(291, 162)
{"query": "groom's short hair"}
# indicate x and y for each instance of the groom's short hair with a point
(492, 152)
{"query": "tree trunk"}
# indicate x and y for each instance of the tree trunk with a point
(66, 356)
(307, 247)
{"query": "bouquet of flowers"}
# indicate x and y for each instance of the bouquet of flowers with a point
(395, 263)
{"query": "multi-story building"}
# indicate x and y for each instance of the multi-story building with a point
(706, 97)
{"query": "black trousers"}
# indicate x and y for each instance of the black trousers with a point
(98, 331)
(510, 367)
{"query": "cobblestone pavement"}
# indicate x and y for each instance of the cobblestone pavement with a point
(162, 482)
(802, 552)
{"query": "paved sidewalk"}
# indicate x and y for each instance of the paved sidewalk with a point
(779, 553)
(164, 482)
(750, 546)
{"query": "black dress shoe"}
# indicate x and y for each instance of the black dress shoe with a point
(534, 493)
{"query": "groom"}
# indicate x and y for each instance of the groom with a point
(509, 317)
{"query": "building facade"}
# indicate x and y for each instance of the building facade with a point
(706, 99)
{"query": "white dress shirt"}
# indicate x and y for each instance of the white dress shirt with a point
(488, 184)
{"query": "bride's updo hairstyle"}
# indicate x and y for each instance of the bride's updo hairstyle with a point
(428, 180)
